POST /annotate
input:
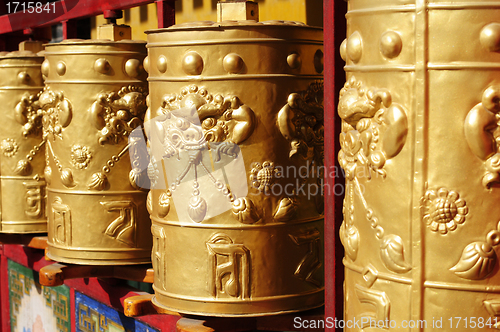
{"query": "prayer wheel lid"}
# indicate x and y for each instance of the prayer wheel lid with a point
(20, 54)
(210, 25)
(96, 41)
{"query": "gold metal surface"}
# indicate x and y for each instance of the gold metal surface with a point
(237, 10)
(94, 97)
(419, 146)
(114, 32)
(236, 138)
(22, 184)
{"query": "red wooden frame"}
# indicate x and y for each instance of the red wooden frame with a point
(66, 10)
(334, 33)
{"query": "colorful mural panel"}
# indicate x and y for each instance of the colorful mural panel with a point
(36, 308)
(92, 316)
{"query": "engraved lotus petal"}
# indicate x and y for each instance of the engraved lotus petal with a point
(67, 178)
(23, 168)
(392, 254)
(396, 130)
(244, 210)
(138, 179)
(477, 135)
(286, 210)
(9, 147)
(98, 181)
(65, 113)
(349, 236)
(48, 174)
(197, 209)
(80, 156)
(149, 202)
(443, 210)
(477, 261)
(163, 205)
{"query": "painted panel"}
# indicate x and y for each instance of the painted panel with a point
(92, 316)
(33, 307)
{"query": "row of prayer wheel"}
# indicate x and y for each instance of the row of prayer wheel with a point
(214, 194)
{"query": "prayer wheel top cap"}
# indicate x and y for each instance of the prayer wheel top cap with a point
(20, 54)
(96, 41)
(210, 25)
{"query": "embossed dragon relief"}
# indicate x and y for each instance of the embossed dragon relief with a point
(482, 132)
(114, 114)
(374, 129)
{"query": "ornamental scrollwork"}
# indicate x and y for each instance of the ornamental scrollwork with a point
(374, 129)
(57, 112)
(482, 132)
(478, 259)
(301, 122)
(27, 113)
(116, 114)
(223, 119)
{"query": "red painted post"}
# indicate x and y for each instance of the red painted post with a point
(4, 292)
(166, 13)
(69, 29)
(334, 34)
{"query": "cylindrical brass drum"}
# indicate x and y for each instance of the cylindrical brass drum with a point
(22, 191)
(236, 140)
(95, 95)
(420, 149)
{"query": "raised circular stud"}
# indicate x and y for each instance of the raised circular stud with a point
(45, 68)
(390, 44)
(233, 63)
(102, 66)
(343, 50)
(133, 67)
(490, 37)
(162, 64)
(145, 63)
(192, 63)
(294, 61)
(318, 61)
(23, 77)
(354, 47)
(61, 68)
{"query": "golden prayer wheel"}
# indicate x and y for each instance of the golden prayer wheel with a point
(420, 150)
(95, 95)
(236, 134)
(22, 204)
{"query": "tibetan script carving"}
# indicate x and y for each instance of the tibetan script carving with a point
(229, 267)
(34, 198)
(62, 222)
(159, 266)
(311, 261)
(122, 228)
